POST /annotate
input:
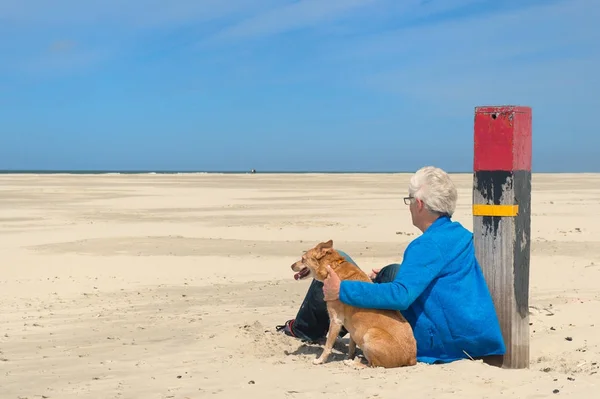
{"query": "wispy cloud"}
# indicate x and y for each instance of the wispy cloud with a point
(118, 13)
(515, 55)
(418, 48)
(319, 15)
(340, 67)
(297, 15)
(104, 30)
(370, 42)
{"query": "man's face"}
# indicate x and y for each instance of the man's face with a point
(416, 211)
(411, 207)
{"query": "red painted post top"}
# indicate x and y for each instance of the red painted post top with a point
(502, 138)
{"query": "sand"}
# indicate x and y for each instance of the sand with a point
(170, 286)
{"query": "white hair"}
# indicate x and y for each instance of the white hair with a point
(434, 187)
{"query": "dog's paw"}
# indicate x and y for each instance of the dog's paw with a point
(318, 361)
(355, 363)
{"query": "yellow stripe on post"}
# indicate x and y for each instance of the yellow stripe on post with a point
(495, 210)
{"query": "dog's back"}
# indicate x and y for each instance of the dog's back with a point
(344, 269)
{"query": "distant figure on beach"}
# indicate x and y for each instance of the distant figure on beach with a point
(253, 171)
(439, 286)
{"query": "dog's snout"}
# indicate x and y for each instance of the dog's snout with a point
(296, 266)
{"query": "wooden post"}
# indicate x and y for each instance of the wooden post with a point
(502, 219)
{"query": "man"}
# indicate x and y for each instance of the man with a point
(439, 286)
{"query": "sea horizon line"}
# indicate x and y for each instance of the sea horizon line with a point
(231, 172)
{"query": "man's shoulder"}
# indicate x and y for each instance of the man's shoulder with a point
(451, 234)
(449, 230)
(423, 242)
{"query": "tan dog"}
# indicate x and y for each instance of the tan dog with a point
(384, 336)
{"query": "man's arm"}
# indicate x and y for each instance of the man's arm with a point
(421, 264)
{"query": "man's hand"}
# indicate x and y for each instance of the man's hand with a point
(331, 285)
(374, 273)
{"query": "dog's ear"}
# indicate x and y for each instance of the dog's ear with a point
(328, 244)
(324, 251)
(322, 245)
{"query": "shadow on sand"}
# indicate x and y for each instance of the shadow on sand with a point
(338, 353)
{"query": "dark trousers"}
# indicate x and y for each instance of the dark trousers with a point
(312, 320)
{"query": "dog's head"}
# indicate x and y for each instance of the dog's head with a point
(314, 262)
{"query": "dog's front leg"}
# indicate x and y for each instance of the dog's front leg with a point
(334, 330)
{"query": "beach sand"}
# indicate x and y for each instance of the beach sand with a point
(170, 286)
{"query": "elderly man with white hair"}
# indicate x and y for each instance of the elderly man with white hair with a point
(439, 286)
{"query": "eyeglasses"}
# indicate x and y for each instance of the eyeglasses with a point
(408, 200)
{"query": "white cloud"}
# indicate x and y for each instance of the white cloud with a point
(520, 55)
(441, 60)
(319, 14)
(292, 16)
(104, 30)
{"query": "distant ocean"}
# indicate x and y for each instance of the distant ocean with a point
(178, 172)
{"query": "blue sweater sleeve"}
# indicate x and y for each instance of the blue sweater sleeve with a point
(421, 264)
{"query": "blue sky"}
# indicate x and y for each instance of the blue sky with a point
(312, 85)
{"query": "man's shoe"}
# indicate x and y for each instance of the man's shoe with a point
(287, 328)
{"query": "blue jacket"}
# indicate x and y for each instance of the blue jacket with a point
(441, 291)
